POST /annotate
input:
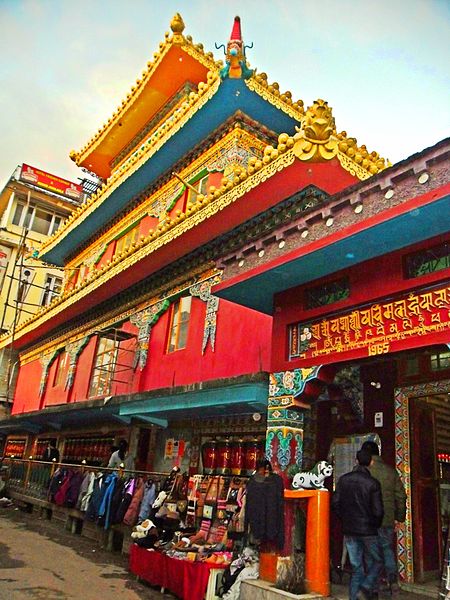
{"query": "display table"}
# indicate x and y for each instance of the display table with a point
(187, 580)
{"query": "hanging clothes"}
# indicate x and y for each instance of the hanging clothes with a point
(60, 496)
(93, 505)
(86, 489)
(55, 483)
(147, 500)
(126, 500)
(264, 508)
(131, 515)
(104, 512)
(116, 499)
(74, 489)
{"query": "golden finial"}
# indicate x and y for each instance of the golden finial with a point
(177, 26)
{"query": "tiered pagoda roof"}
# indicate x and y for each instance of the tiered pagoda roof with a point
(183, 98)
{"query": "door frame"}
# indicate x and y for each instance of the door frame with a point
(402, 397)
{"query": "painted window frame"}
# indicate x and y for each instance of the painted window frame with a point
(106, 355)
(178, 333)
(28, 216)
(61, 369)
(52, 282)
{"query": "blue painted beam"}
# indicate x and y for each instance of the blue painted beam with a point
(422, 223)
(201, 399)
(153, 420)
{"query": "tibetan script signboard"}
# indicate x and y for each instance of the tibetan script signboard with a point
(375, 329)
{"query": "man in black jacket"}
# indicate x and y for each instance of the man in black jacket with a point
(359, 504)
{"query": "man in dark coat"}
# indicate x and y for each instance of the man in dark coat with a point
(51, 453)
(394, 504)
(359, 504)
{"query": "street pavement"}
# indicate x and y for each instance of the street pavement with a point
(40, 560)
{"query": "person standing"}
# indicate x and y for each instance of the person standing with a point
(359, 504)
(121, 457)
(51, 453)
(394, 504)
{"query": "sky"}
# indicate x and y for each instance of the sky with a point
(66, 65)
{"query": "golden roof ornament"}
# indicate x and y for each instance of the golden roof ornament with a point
(316, 140)
(177, 26)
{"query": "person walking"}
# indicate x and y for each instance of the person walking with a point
(394, 504)
(359, 504)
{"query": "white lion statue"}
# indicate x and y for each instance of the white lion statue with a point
(314, 479)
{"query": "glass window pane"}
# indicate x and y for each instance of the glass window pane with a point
(41, 222)
(182, 336)
(55, 225)
(18, 214)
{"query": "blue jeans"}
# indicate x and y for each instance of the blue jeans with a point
(386, 543)
(360, 549)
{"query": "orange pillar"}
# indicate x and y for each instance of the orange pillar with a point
(317, 551)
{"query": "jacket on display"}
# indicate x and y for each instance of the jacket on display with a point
(95, 499)
(131, 516)
(60, 496)
(104, 512)
(73, 489)
(127, 495)
(147, 501)
(358, 502)
(264, 508)
(86, 489)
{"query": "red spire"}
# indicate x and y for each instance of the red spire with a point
(236, 32)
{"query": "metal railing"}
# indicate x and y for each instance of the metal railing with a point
(32, 477)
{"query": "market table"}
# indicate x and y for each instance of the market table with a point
(186, 579)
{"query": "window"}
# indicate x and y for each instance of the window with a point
(202, 188)
(327, 293)
(179, 324)
(440, 361)
(52, 288)
(125, 240)
(427, 261)
(104, 366)
(37, 218)
(61, 369)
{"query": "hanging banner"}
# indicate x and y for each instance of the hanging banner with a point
(50, 182)
(374, 329)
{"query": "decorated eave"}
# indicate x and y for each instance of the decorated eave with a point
(177, 61)
(313, 154)
(309, 150)
(224, 91)
(401, 206)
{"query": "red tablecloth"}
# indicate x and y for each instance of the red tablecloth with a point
(187, 580)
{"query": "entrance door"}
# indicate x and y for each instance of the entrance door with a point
(425, 491)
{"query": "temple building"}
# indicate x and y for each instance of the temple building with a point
(247, 277)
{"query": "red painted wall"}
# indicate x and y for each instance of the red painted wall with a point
(242, 347)
(26, 395)
(369, 281)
